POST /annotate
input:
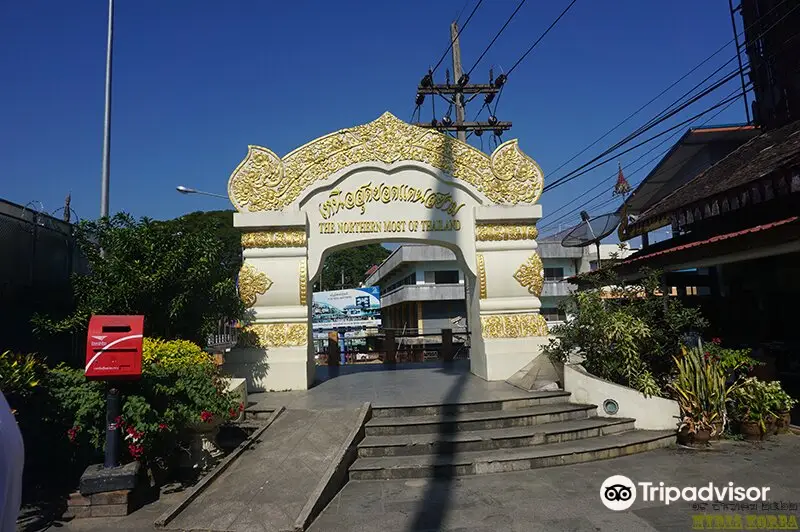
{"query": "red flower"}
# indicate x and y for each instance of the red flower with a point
(206, 416)
(241, 407)
(163, 426)
(716, 340)
(135, 450)
(233, 413)
(73, 433)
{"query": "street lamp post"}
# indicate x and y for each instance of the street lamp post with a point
(107, 119)
(186, 190)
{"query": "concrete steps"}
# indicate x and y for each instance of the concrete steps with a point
(538, 430)
(485, 440)
(505, 460)
(471, 421)
(472, 406)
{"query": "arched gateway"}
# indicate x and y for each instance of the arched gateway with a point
(387, 181)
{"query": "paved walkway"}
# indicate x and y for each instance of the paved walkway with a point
(563, 498)
(405, 384)
(266, 488)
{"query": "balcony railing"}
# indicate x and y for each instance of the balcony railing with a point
(557, 288)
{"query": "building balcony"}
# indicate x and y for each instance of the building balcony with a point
(560, 288)
(423, 292)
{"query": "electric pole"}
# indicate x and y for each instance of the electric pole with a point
(457, 73)
(454, 93)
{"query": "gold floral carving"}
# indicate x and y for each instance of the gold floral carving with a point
(513, 325)
(278, 334)
(303, 282)
(252, 283)
(493, 232)
(531, 274)
(289, 238)
(482, 275)
(265, 182)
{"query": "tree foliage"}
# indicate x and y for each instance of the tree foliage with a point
(180, 274)
(350, 263)
(626, 333)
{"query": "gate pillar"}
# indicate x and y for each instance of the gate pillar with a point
(510, 277)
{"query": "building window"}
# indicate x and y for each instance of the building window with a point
(407, 280)
(553, 314)
(553, 274)
(446, 277)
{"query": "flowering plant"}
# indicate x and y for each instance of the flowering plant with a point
(731, 361)
(180, 387)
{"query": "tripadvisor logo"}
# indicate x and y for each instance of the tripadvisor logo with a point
(618, 493)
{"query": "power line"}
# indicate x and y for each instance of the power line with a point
(674, 165)
(673, 84)
(659, 118)
(570, 177)
(496, 37)
(474, 9)
(612, 176)
(542, 36)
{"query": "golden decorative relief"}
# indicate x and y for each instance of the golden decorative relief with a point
(278, 334)
(252, 283)
(513, 325)
(501, 232)
(383, 193)
(531, 275)
(303, 282)
(482, 275)
(289, 238)
(265, 182)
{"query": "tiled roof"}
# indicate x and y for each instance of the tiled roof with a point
(753, 160)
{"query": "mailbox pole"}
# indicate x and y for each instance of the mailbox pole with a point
(112, 428)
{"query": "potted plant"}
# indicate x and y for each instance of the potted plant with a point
(781, 403)
(700, 389)
(753, 406)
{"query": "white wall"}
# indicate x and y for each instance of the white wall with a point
(650, 413)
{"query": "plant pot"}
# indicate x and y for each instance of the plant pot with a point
(718, 428)
(784, 420)
(203, 451)
(702, 437)
(751, 430)
(684, 437)
(772, 426)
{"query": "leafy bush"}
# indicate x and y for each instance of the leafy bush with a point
(180, 387)
(19, 376)
(627, 334)
(752, 403)
(179, 273)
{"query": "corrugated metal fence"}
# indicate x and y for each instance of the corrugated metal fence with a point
(38, 257)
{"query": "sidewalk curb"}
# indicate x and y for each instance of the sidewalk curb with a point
(198, 488)
(337, 474)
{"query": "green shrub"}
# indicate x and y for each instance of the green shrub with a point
(752, 403)
(627, 334)
(180, 387)
(20, 375)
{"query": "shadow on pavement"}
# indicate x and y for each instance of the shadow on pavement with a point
(437, 500)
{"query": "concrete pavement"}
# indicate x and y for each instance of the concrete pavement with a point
(564, 498)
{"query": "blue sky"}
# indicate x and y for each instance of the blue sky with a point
(196, 82)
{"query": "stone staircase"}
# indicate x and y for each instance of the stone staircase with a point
(541, 430)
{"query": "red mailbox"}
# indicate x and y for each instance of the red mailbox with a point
(114, 347)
